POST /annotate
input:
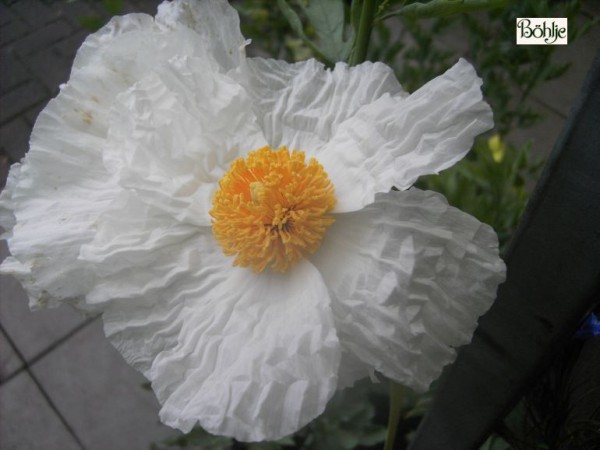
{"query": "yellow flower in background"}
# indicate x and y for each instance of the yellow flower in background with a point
(497, 147)
(232, 219)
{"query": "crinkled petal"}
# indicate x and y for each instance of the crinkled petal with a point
(7, 204)
(254, 356)
(259, 356)
(174, 134)
(129, 236)
(409, 276)
(215, 21)
(394, 140)
(301, 105)
(62, 182)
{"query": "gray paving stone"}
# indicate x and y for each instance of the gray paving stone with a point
(74, 12)
(12, 31)
(5, 15)
(4, 167)
(67, 48)
(14, 138)
(31, 114)
(34, 12)
(33, 333)
(20, 99)
(10, 361)
(99, 394)
(43, 37)
(28, 422)
(49, 68)
(12, 72)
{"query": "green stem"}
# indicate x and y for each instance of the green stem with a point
(363, 36)
(444, 8)
(396, 397)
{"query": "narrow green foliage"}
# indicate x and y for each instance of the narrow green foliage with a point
(511, 73)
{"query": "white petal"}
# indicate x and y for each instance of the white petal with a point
(7, 204)
(62, 182)
(63, 186)
(215, 21)
(130, 236)
(394, 140)
(253, 356)
(174, 134)
(409, 276)
(301, 105)
(249, 355)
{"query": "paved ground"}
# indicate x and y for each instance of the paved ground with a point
(62, 385)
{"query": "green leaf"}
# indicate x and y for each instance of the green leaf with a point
(326, 17)
(296, 24)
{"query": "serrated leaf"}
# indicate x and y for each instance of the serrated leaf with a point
(296, 24)
(326, 17)
(293, 19)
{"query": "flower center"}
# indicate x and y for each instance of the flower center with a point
(271, 209)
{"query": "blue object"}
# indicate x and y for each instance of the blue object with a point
(589, 328)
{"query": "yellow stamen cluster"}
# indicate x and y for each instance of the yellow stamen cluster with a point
(271, 209)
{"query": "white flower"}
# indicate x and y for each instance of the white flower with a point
(111, 211)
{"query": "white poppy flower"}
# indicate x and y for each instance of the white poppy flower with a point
(164, 122)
